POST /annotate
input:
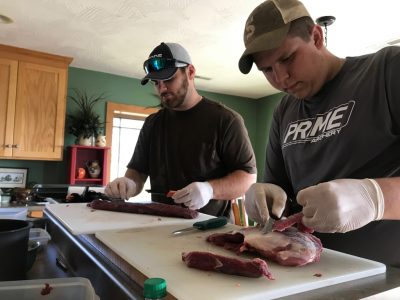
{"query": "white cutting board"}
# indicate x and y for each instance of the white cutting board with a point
(80, 219)
(156, 253)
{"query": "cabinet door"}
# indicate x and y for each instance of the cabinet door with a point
(8, 86)
(40, 112)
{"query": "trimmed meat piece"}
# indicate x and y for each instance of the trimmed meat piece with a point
(290, 247)
(208, 261)
(282, 224)
(230, 241)
(46, 290)
(170, 193)
(157, 209)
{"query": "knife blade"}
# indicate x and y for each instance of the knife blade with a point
(204, 225)
(268, 226)
(104, 197)
(167, 194)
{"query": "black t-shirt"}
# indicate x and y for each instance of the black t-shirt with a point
(350, 129)
(176, 148)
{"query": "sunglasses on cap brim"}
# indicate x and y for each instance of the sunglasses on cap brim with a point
(156, 64)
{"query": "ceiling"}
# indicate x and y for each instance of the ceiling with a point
(116, 36)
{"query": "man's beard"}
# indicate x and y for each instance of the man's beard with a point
(177, 99)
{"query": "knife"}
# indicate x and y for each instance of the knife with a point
(204, 225)
(167, 194)
(269, 225)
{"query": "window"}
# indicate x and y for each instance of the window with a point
(125, 133)
(123, 124)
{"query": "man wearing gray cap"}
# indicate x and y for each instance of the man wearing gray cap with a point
(193, 145)
(334, 144)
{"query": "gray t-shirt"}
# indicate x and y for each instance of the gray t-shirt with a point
(350, 129)
(176, 148)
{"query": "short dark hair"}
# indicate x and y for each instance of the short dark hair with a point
(182, 69)
(301, 28)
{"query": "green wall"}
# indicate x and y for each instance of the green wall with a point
(264, 111)
(256, 114)
(129, 91)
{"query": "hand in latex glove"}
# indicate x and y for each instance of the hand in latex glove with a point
(195, 195)
(341, 205)
(259, 197)
(122, 187)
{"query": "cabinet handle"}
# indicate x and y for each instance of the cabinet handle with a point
(8, 146)
(15, 146)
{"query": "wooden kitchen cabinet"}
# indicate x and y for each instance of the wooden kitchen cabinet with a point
(33, 88)
(80, 156)
(8, 88)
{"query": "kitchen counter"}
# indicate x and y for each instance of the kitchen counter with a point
(77, 256)
(30, 205)
(113, 278)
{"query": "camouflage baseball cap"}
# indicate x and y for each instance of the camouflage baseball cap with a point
(267, 27)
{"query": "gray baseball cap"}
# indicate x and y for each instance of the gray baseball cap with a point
(267, 27)
(164, 61)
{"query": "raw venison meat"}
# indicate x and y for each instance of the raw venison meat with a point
(208, 261)
(290, 247)
(281, 225)
(157, 209)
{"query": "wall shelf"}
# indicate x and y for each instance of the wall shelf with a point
(80, 156)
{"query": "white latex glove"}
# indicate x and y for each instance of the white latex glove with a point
(122, 187)
(341, 205)
(259, 197)
(194, 195)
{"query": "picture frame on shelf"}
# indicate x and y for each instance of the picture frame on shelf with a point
(13, 177)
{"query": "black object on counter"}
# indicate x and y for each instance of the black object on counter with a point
(86, 196)
(40, 192)
(14, 236)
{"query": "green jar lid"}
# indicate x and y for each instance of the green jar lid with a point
(155, 288)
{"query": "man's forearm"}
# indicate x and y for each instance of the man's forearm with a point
(138, 178)
(233, 185)
(391, 192)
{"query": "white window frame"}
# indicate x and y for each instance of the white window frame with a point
(116, 110)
